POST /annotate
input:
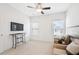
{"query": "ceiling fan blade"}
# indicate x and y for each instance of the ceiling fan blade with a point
(42, 12)
(46, 8)
(30, 7)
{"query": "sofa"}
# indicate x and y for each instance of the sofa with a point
(66, 46)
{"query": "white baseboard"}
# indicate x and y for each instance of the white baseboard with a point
(43, 40)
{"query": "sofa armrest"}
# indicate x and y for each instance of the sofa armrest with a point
(60, 46)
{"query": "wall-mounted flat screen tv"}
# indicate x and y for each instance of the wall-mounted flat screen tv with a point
(16, 26)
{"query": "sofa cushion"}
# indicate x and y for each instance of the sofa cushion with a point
(73, 47)
(60, 46)
(59, 51)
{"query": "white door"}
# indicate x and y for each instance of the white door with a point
(41, 28)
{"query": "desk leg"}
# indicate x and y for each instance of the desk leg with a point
(14, 41)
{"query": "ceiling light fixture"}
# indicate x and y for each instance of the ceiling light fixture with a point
(38, 9)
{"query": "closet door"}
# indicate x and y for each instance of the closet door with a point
(41, 28)
(34, 30)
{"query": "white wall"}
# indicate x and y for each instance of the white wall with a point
(72, 19)
(46, 25)
(59, 16)
(9, 14)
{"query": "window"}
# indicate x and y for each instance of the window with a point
(59, 27)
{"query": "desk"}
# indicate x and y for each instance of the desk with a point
(17, 38)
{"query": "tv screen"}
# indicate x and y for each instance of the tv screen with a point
(16, 26)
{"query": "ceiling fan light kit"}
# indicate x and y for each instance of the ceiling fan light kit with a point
(39, 8)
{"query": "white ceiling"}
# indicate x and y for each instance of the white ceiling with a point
(55, 7)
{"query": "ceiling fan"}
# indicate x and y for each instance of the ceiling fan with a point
(39, 8)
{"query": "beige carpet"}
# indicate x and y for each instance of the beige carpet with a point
(31, 48)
